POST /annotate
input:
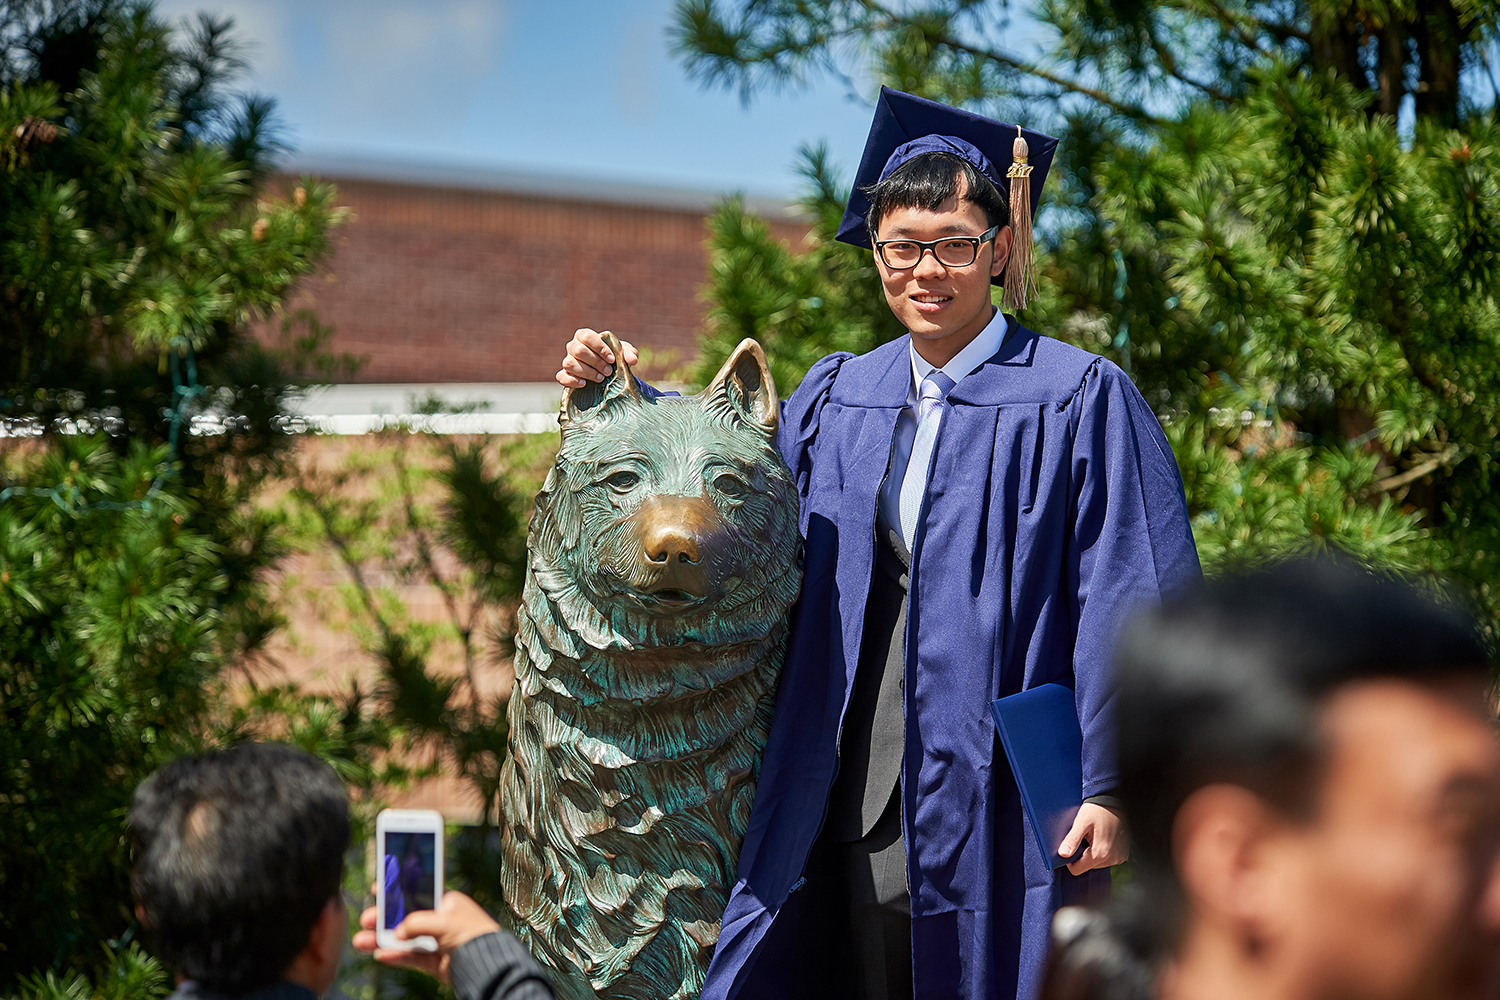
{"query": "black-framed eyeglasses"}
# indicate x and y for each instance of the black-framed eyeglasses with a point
(950, 251)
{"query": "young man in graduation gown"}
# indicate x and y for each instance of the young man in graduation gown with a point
(980, 507)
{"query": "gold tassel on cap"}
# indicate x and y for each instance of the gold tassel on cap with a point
(1020, 270)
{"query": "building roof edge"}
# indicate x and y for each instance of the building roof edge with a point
(536, 184)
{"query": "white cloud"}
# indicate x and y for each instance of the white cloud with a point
(342, 64)
(453, 37)
(413, 66)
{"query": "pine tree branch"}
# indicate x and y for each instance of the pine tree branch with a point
(1235, 24)
(1030, 69)
(1169, 64)
(1244, 26)
(1071, 86)
(1444, 458)
(346, 555)
(1283, 31)
(1418, 372)
(429, 564)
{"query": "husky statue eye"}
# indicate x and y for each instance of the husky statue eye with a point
(623, 480)
(731, 486)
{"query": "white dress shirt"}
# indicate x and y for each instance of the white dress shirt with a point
(975, 353)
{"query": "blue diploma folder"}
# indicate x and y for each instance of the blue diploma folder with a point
(1042, 738)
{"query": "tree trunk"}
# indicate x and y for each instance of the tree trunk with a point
(1439, 35)
(1334, 42)
(1390, 73)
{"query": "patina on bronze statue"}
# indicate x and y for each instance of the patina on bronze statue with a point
(664, 561)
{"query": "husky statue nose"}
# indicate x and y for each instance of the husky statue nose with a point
(671, 543)
(677, 535)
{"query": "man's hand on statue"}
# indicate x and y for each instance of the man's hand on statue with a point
(589, 360)
(1104, 830)
(457, 921)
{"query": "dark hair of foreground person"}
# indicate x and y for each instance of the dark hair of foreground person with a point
(237, 853)
(1260, 711)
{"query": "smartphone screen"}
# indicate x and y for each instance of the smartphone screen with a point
(409, 870)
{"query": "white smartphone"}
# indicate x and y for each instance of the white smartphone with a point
(409, 872)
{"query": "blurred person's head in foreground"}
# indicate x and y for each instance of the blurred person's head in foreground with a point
(1310, 768)
(239, 857)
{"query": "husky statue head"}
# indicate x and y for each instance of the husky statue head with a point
(670, 519)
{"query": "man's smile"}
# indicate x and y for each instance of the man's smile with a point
(930, 301)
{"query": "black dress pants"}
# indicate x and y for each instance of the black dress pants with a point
(846, 933)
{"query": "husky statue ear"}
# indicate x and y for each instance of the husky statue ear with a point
(744, 387)
(584, 404)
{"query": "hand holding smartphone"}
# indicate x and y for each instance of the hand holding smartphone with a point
(409, 872)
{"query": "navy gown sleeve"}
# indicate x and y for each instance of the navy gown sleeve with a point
(800, 414)
(1131, 543)
(650, 391)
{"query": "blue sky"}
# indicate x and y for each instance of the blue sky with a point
(583, 88)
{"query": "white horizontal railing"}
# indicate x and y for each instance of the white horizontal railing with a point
(442, 408)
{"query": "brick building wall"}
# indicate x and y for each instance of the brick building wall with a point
(440, 283)
(464, 283)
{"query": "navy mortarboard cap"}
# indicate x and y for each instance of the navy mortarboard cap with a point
(1015, 159)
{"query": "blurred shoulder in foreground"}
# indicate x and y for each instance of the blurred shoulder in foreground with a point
(1310, 771)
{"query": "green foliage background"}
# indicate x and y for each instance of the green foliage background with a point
(1302, 284)
(147, 432)
(133, 253)
(1303, 288)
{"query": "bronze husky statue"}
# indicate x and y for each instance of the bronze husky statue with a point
(664, 560)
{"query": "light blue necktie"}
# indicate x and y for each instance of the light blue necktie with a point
(935, 388)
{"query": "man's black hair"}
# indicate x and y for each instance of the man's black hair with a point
(928, 180)
(236, 855)
(1226, 686)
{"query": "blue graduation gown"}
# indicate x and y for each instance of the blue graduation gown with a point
(1054, 506)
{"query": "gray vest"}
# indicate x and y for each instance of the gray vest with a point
(874, 733)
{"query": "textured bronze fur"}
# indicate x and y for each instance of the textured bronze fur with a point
(664, 560)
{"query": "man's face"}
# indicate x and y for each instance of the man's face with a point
(943, 307)
(1393, 890)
